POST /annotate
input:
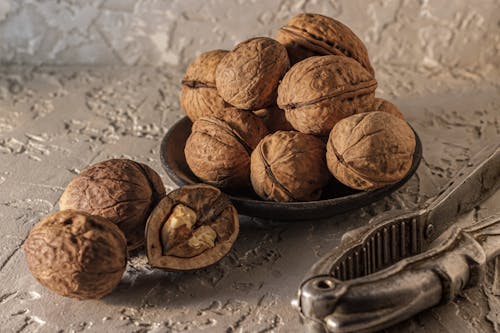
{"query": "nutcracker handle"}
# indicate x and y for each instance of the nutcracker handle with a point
(359, 307)
(457, 261)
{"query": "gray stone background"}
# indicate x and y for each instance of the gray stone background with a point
(84, 81)
(460, 33)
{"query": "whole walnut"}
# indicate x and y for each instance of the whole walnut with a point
(248, 76)
(76, 255)
(306, 35)
(274, 119)
(120, 190)
(383, 105)
(319, 91)
(370, 150)
(192, 227)
(218, 149)
(199, 96)
(289, 166)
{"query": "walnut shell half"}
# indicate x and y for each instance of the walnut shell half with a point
(289, 166)
(370, 150)
(120, 190)
(76, 255)
(318, 92)
(248, 76)
(218, 149)
(199, 96)
(192, 227)
(306, 35)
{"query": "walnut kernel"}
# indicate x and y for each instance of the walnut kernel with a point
(192, 227)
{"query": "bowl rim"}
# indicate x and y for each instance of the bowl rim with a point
(316, 204)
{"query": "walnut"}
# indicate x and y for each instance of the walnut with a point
(199, 96)
(120, 190)
(218, 149)
(289, 166)
(248, 76)
(383, 105)
(180, 239)
(274, 119)
(76, 255)
(370, 150)
(306, 35)
(192, 227)
(319, 91)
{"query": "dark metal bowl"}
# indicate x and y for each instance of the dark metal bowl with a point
(336, 198)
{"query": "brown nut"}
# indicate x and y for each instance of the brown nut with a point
(289, 166)
(318, 92)
(306, 35)
(120, 190)
(248, 76)
(274, 119)
(199, 96)
(383, 105)
(370, 150)
(218, 150)
(193, 227)
(76, 255)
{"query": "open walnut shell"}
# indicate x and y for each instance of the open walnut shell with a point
(192, 227)
(370, 150)
(306, 35)
(318, 92)
(218, 149)
(76, 255)
(199, 96)
(384, 105)
(248, 76)
(120, 190)
(289, 166)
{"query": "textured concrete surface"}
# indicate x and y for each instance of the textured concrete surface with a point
(152, 32)
(56, 121)
(438, 62)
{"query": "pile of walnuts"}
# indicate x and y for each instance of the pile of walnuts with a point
(115, 206)
(284, 116)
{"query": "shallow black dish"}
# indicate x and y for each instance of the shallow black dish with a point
(336, 199)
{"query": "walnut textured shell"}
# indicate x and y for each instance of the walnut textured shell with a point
(120, 190)
(384, 105)
(248, 76)
(218, 150)
(213, 209)
(289, 166)
(306, 35)
(199, 96)
(76, 255)
(319, 91)
(274, 118)
(370, 150)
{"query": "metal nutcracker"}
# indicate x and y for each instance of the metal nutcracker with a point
(404, 262)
